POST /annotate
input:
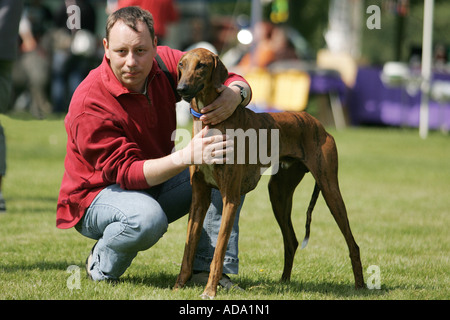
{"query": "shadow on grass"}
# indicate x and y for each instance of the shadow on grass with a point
(327, 288)
(40, 265)
(161, 279)
(164, 280)
(332, 289)
(259, 287)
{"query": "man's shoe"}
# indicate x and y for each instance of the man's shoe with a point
(89, 262)
(201, 278)
(89, 266)
(226, 283)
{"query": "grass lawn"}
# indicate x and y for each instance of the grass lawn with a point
(395, 185)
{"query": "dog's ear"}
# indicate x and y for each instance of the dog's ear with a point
(220, 72)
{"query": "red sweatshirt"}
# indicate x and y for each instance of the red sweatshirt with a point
(111, 131)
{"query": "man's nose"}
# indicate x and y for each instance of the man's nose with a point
(131, 60)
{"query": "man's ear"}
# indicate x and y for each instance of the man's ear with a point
(106, 47)
(220, 72)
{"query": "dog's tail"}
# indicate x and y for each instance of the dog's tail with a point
(312, 203)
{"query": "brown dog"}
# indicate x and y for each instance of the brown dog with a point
(303, 146)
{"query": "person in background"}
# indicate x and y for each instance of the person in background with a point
(263, 53)
(32, 72)
(164, 13)
(71, 66)
(10, 13)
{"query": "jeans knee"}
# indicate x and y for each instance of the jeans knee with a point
(149, 229)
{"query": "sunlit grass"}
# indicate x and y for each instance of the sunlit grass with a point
(395, 186)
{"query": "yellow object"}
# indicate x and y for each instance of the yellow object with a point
(260, 81)
(286, 90)
(290, 90)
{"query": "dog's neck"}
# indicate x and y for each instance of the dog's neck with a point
(197, 105)
(206, 96)
(201, 100)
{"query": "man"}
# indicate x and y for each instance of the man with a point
(122, 183)
(10, 13)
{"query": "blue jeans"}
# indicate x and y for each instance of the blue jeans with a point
(128, 221)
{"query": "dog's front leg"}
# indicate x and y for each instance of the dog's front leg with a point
(231, 202)
(201, 199)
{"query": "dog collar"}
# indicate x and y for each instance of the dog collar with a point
(195, 113)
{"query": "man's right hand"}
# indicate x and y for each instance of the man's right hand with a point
(209, 146)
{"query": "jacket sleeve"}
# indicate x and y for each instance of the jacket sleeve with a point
(106, 153)
(234, 77)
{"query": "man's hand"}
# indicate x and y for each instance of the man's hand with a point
(228, 100)
(208, 147)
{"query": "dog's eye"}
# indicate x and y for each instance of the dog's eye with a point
(180, 64)
(200, 65)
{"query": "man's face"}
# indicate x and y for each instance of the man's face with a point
(130, 54)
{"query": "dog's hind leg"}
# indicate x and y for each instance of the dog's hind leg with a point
(326, 174)
(281, 190)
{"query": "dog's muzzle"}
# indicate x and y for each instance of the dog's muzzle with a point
(187, 92)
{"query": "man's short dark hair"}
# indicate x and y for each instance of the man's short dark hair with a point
(131, 16)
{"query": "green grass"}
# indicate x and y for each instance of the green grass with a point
(395, 185)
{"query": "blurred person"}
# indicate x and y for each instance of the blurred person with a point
(163, 11)
(282, 46)
(69, 65)
(31, 74)
(272, 44)
(123, 182)
(111, 6)
(10, 13)
(262, 52)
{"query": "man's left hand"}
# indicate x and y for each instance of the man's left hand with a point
(223, 107)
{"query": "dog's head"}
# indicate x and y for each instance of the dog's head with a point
(200, 72)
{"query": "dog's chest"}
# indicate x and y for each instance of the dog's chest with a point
(208, 174)
(244, 176)
(206, 169)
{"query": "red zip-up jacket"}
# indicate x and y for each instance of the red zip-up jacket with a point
(111, 131)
